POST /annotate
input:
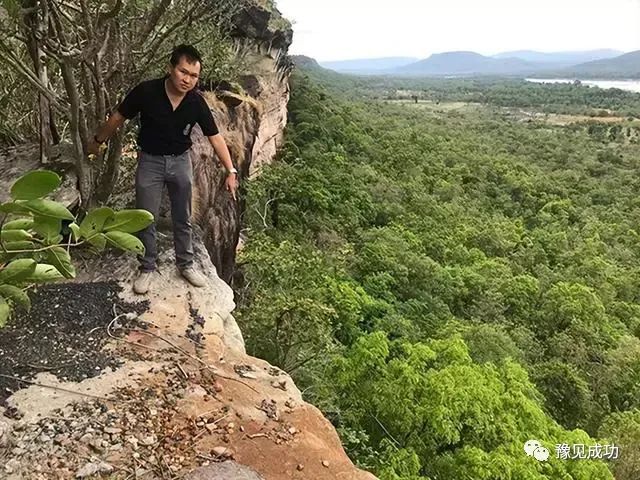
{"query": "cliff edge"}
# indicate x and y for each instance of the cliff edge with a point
(99, 383)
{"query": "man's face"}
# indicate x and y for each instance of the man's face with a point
(184, 76)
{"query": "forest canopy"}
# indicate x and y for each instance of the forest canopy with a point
(449, 279)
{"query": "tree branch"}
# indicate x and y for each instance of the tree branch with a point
(87, 21)
(302, 363)
(105, 17)
(186, 18)
(152, 20)
(8, 57)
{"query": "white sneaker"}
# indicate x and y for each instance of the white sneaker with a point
(193, 277)
(142, 282)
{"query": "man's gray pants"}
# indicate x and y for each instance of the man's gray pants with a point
(153, 172)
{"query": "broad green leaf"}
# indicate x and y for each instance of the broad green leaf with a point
(21, 246)
(75, 229)
(94, 221)
(34, 185)
(129, 221)
(13, 249)
(19, 224)
(48, 208)
(16, 295)
(5, 311)
(125, 241)
(55, 240)
(44, 273)
(48, 228)
(60, 258)
(14, 207)
(99, 241)
(17, 270)
(14, 235)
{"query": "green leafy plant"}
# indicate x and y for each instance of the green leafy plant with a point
(32, 247)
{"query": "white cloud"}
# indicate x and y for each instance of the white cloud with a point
(344, 29)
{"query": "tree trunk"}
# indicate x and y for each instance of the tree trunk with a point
(35, 23)
(46, 131)
(109, 175)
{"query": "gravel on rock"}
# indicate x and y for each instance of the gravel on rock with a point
(63, 334)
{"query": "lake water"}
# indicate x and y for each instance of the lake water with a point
(630, 85)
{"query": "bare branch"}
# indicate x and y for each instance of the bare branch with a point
(8, 57)
(70, 7)
(85, 17)
(187, 18)
(87, 87)
(302, 363)
(105, 17)
(65, 15)
(103, 49)
(263, 216)
(152, 20)
(52, 51)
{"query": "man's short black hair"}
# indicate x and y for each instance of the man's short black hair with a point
(188, 51)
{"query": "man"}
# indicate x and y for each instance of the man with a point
(169, 107)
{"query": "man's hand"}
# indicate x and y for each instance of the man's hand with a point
(232, 184)
(104, 133)
(222, 151)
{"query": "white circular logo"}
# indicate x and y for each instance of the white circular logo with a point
(530, 447)
(534, 448)
(541, 454)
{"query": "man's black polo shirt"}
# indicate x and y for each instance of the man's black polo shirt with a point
(164, 131)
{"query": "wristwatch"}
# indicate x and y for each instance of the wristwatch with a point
(232, 170)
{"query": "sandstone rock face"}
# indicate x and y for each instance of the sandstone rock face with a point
(253, 129)
(16, 161)
(224, 471)
(184, 399)
(173, 303)
(5, 434)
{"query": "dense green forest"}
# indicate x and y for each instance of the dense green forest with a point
(447, 285)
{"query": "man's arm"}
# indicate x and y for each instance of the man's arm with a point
(105, 132)
(220, 147)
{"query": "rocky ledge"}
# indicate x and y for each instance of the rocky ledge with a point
(183, 400)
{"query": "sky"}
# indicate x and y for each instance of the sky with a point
(348, 29)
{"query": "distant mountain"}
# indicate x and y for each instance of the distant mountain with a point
(368, 65)
(624, 66)
(311, 67)
(467, 63)
(558, 59)
(522, 63)
(305, 62)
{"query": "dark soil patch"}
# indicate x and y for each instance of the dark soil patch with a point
(194, 330)
(63, 334)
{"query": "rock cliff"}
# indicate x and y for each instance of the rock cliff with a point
(179, 397)
(252, 121)
(184, 401)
